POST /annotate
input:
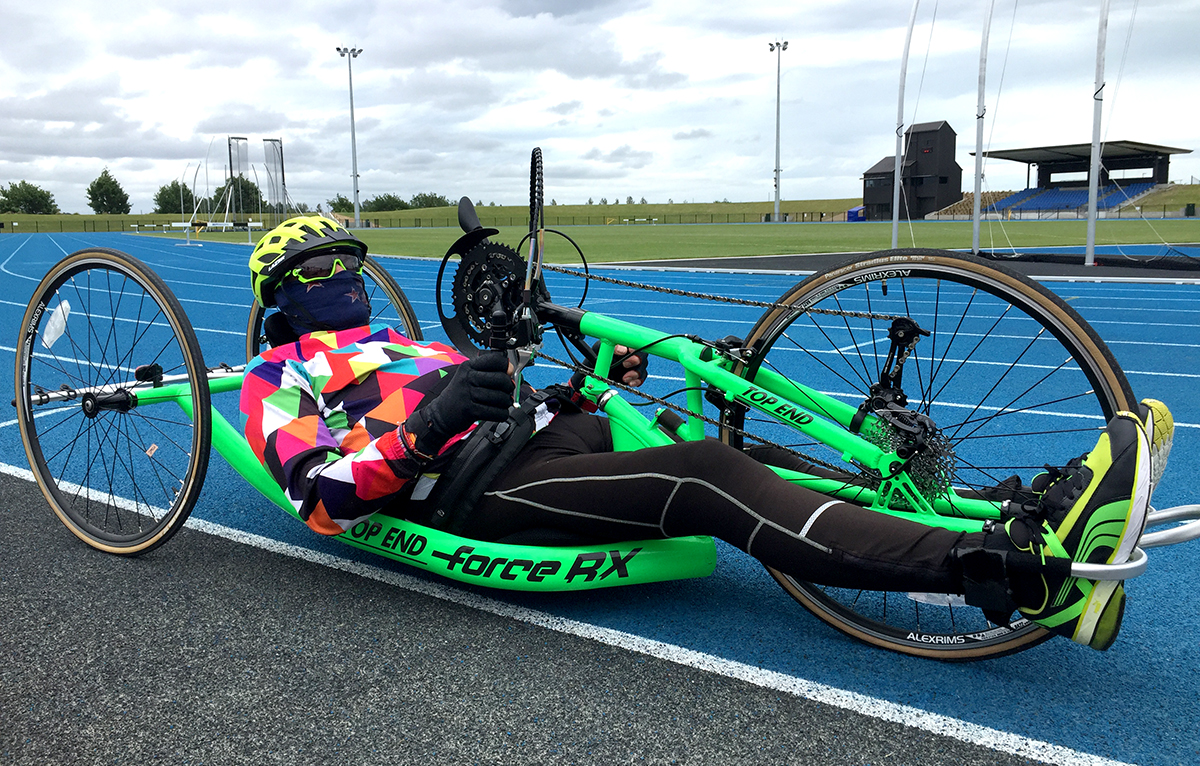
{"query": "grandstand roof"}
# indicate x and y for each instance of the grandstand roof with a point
(1109, 150)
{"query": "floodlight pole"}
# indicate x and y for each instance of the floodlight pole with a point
(896, 177)
(778, 47)
(1098, 106)
(353, 142)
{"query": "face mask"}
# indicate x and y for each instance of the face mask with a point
(337, 303)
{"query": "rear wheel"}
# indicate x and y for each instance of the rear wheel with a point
(1012, 376)
(100, 330)
(389, 305)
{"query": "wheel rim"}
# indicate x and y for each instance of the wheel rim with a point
(1009, 374)
(119, 477)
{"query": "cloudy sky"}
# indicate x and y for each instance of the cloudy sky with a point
(662, 99)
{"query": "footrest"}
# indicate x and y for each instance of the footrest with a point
(1178, 534)
(1136, 564)
(1126, 571)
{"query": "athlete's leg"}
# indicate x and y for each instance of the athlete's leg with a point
(1093, 510)
(569, 479)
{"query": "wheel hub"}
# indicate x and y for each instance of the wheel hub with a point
(116, 401)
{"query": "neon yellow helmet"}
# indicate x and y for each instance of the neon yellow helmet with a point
(294, 240)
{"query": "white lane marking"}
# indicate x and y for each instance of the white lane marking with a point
(4, 266)
(884, 710)
(37, 416)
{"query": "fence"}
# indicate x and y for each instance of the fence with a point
(72, 224)
(604, 219)
(68, 223)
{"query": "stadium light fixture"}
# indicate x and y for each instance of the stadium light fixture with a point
(777, 48)
(350, 54)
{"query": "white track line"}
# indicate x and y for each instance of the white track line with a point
(881, 709)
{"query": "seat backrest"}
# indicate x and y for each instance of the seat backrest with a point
(278, 331)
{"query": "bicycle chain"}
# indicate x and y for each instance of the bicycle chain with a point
(717, 298)
(685, 411)
(720, 299)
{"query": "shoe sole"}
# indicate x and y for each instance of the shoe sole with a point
(1160, 430)
(1099, 624)
(1139, 501)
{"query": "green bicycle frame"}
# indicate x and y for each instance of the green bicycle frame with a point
(810, 412)
(557, 568)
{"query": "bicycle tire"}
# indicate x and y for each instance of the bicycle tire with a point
(983, 303)
(122, 478)
(396, 311)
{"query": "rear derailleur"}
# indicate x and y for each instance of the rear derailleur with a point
(911, 432)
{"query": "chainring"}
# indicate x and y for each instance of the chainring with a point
(487, 273)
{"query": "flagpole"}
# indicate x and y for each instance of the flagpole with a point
(980, 109)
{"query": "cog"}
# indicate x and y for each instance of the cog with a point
(931, 469)
(487, 273)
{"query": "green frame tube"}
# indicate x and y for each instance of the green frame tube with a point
(787, 401)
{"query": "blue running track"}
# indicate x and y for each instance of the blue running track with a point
(1138, 702)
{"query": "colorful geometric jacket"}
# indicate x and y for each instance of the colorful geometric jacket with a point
(321, 414)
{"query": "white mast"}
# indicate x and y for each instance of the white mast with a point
(1097, 105)
(980, 109)
(912, 20)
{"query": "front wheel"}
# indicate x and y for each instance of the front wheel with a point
(1011, 375)
(102, 330)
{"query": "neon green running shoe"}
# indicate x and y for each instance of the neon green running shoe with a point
(1160, 429)
(1093, 511)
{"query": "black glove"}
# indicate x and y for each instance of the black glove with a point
(480, 389)
(618, 367)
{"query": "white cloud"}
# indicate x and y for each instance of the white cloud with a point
(633, 94)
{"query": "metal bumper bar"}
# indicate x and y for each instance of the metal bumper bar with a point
(1136, 565)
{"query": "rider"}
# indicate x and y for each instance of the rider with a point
(352, 418)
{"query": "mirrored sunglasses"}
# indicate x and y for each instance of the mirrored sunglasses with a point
(325, 266)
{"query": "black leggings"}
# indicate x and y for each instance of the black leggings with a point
(569, 479)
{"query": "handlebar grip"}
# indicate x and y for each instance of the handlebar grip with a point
(501, 329)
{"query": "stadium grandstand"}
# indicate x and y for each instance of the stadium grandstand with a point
(1063, 174)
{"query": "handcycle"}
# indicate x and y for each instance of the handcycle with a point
(912, 382)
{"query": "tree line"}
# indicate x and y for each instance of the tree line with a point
(239, 194)
(106, 197)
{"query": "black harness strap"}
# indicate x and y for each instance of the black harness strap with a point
(485, 453)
